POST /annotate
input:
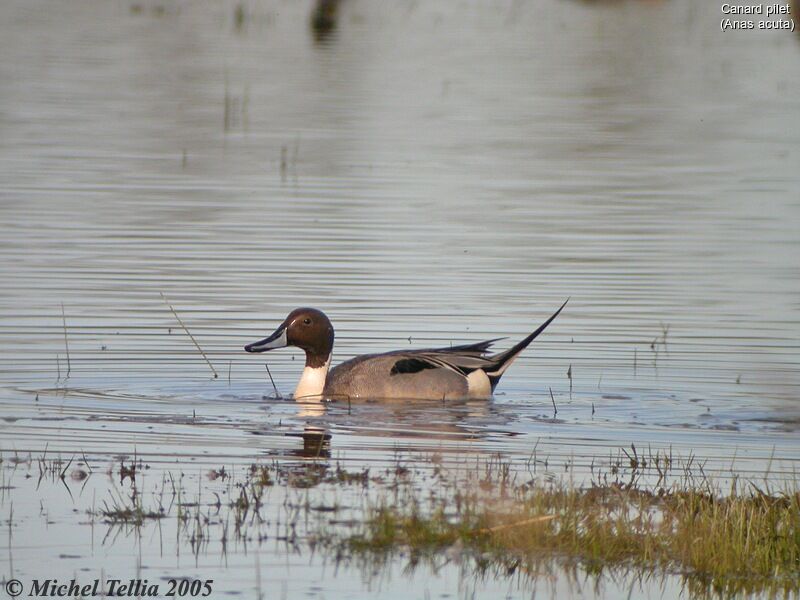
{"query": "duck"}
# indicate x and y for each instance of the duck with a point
(464, 372)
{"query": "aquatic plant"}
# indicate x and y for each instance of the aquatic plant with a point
(723, 542)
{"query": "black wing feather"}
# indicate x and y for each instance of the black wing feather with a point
(410, 365)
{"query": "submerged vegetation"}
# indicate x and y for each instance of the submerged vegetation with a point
(739, 540)
(638, 515)
(744, 541)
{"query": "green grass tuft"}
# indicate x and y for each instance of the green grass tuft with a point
(742, 542)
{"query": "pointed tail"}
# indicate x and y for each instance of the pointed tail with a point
(503, 360)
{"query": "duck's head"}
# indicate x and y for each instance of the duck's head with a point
(305, 328)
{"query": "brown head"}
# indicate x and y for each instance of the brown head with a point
(305, 328)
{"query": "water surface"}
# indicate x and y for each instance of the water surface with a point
(425, 174)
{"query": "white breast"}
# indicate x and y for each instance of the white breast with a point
(312, 383)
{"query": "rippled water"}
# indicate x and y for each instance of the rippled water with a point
(424, 173)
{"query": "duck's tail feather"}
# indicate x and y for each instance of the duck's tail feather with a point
(503, 360)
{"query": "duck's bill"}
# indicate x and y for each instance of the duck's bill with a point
(276, 340)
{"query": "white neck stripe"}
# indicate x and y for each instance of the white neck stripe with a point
(312, 382)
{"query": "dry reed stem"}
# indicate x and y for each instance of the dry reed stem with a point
(66, 343)
(275, 387)
(540, 519)
(189, 333)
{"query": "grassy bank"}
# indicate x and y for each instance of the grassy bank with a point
(724, 542)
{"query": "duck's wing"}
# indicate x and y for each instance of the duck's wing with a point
(467, 358)
(462, 359)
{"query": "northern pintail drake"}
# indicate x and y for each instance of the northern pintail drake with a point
(465, 372)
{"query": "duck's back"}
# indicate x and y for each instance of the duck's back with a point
(375, 376)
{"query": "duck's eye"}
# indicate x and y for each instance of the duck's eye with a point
(306, 321)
